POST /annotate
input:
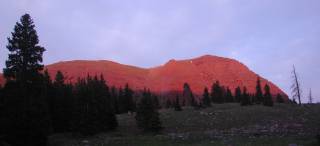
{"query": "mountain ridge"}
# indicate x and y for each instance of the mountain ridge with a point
(167, 79)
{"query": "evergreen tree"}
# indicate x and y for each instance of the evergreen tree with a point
(177, 106)
(48, 85)
(238, 94)
(267, 96)
(114, 99)
(258, 94)
(205, 98)
(47, 79)
(60, 105)
(128, 99)
(122, 101)
(155, 101)
(147, 116)
(59, 79)
(279, 98)
(25, 105)
(188, 95)
(94, 112)
(229, 97)
(223, 94)
(23, 64)
(245, 97)
(217, 93)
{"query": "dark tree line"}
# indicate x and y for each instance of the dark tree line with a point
(220, 94)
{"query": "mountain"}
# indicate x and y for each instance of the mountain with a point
(167, 79)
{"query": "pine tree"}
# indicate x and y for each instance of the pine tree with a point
(155, 101)
(245, 97)
(23, 64)
(60, 105)
(59, 79)
(223, 94)
(188, 95)
(238, 94)
(128, 99)
(229, 97)
(48, 84)
(106, 115)
(177, 106)
(205, 98)
(258, 94)
(94, 112)
(267, 96)
(114, 99)
(217, 93)
(147, 116)
(25, 105)
(122, 101)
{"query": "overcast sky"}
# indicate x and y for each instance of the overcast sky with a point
(269, 36)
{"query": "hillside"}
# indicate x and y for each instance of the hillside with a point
(169, 78)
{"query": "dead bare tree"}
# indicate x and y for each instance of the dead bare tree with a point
(310, 97)
(296, 87)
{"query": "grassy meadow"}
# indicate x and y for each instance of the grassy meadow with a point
(221, 124)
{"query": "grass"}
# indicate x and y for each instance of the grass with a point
(222, 124)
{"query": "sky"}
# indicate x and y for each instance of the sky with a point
(269, 36)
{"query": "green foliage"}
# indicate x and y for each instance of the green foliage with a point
(238, 94)
(128, 94)
(206, 98)
(156, 101)
(217, 93)
(60, 103)
(59, 79)
(94, 112)
(23, 64)
(258, 95)
(25, 115)
(267, 96)
(245, 100)
(126, 102)
(114, 99)
(147, 116)
(188, 95)
(229, 97)
(177, 106)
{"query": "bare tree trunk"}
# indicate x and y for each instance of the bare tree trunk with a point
(296, 89)
(310, 97)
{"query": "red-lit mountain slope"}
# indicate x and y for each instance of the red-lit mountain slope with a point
(168, 78)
